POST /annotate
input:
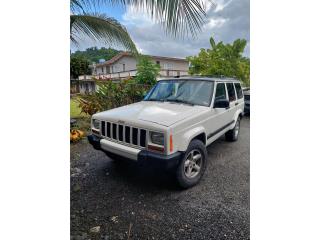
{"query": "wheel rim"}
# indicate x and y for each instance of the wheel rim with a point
(237, 128)
(193, 164)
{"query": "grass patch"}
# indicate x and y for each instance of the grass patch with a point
(75, 110)
(83, 119)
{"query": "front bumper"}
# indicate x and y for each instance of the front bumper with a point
(141, 156)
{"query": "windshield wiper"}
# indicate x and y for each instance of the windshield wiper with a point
(179, 101)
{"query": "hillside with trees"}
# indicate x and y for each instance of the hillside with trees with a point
(80, 60)
(93, 54)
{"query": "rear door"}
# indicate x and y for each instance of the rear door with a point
(233, 102)
(240, 99)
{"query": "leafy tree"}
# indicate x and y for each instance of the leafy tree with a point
(79, 66)
(178, 17)
(222, 59)
(94, 54)
(147, 71)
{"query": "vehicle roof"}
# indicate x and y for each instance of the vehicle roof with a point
(205, 78)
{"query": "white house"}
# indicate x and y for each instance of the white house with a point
(124, 65)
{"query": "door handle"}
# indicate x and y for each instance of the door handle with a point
(236, 103)
(227, 107)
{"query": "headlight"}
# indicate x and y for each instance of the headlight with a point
(157, 138)
(95, 123)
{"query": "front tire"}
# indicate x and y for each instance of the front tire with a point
(193, 164)
(232, 135)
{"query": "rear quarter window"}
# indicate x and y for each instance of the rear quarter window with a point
(238, 90)
(231, 92)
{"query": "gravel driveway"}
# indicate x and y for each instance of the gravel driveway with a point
(108, 200)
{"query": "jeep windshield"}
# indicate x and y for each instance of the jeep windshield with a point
(193, 92)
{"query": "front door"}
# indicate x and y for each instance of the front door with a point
(217, 122)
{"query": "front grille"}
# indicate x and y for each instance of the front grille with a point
(127, 134)
(143, 134)
(108, 129)
(120, 132)
(114, 131)
(135, 136)
(103, 128)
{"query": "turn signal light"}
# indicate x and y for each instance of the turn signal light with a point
(171, 143)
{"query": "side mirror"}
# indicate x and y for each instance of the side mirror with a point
(221, 103)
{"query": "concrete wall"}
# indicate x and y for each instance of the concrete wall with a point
(168, 64)
(130, 64)
(87, 87)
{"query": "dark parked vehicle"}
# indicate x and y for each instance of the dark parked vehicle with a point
(246, 94)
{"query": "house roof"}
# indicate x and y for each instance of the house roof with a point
(122, 54)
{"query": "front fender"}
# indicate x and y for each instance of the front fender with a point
(188, 136)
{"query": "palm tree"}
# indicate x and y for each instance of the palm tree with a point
(178, 17)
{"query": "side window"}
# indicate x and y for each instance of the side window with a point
(231, 92)
(238, 90)
(220, 92)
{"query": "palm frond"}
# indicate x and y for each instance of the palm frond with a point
(178, 17)
(100, 28)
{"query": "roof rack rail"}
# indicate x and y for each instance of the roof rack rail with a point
(208, 76)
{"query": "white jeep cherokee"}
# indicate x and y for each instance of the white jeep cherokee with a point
(173, 124)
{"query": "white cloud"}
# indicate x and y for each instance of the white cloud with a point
(208, 5)
(221, 4)
(214, 23)
(226, 21)
(139, 17)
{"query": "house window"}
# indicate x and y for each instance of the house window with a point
(158, 62)
(168, 66)
(102, 69)
(123, 67)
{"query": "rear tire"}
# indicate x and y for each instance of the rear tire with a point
(193, 165)
(232, 135)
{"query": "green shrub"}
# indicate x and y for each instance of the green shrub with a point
(112, 95)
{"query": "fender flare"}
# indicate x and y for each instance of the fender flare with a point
(189, 135)
(235, 117)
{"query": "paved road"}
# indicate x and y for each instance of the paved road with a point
(116, 196)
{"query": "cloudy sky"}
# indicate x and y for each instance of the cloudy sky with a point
(226, 21)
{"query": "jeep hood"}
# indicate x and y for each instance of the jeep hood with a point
(163, 113)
